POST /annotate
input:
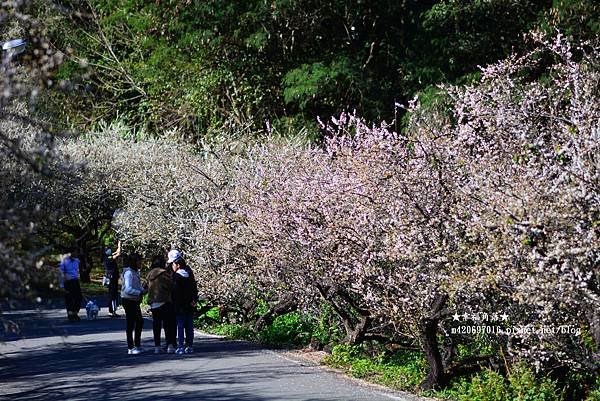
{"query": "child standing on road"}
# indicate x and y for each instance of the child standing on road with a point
(185, 294)
(131, 294)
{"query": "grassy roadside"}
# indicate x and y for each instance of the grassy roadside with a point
(403, 370)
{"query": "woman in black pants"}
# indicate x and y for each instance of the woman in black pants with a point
(131, 294)
(160, 288)
(112, 273)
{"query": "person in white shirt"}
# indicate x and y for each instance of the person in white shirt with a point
(131, 295)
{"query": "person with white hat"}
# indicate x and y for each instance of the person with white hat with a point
(185, 294)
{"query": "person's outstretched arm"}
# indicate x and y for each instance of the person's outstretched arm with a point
(118, 251)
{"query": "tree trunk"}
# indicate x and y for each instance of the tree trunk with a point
(340, 301)
(596, 327)
(85, 265)
(355, 334)
(436, 376)
(286, 305)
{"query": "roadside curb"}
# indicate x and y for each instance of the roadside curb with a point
(304, 360)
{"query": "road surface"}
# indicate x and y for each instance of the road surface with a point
(52, 359)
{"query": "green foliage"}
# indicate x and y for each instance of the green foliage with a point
(213, 314)
(289, 329)
(595, 392)
(318, 85)
(486, 386)
(402, 370)
(524, 386)
(234, 331)
(206, 318)
(489, 385)
(463, 33)
(579, 19)
(213, 65)
(343, 355)
(326, 329)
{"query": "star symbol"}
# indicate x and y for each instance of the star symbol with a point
(504, 316)
(456, 316)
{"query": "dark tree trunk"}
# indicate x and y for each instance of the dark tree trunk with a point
(346, 308)
(355, 333)
(85, 265)
(247, 309)
(84, 271)
(286, 305)
(429, 327)
(596, 327)
(224, 313)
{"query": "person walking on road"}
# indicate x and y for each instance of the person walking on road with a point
(160, 288)
(111, 272)
(131, 295)
(185, 294)
(69, 281)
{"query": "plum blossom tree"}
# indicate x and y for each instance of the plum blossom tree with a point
(530, 151)
(491, 207)
(27, 151)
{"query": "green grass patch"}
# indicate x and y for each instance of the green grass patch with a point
(233, 331)
(294, 329)
(403, 370)
(93, 288)
(595, 392)
(488, 385)
(291, 329)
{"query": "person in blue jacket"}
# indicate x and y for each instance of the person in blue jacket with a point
(69, 281)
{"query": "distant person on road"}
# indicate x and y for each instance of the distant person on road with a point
(131, 295)
(185, 294)
(160, 299)
(111, 272)
(69, 280)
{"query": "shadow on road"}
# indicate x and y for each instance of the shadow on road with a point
(88, 360)
(28, 319)
(82, 369)
(30, 324)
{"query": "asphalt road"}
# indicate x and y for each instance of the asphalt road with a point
(51, 359)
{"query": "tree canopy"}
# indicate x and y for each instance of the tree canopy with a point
(201, 66)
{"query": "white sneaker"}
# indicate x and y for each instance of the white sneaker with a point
(188, 350)
(180, 351)
(170, 349)
(134, 351)
(158, 350)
